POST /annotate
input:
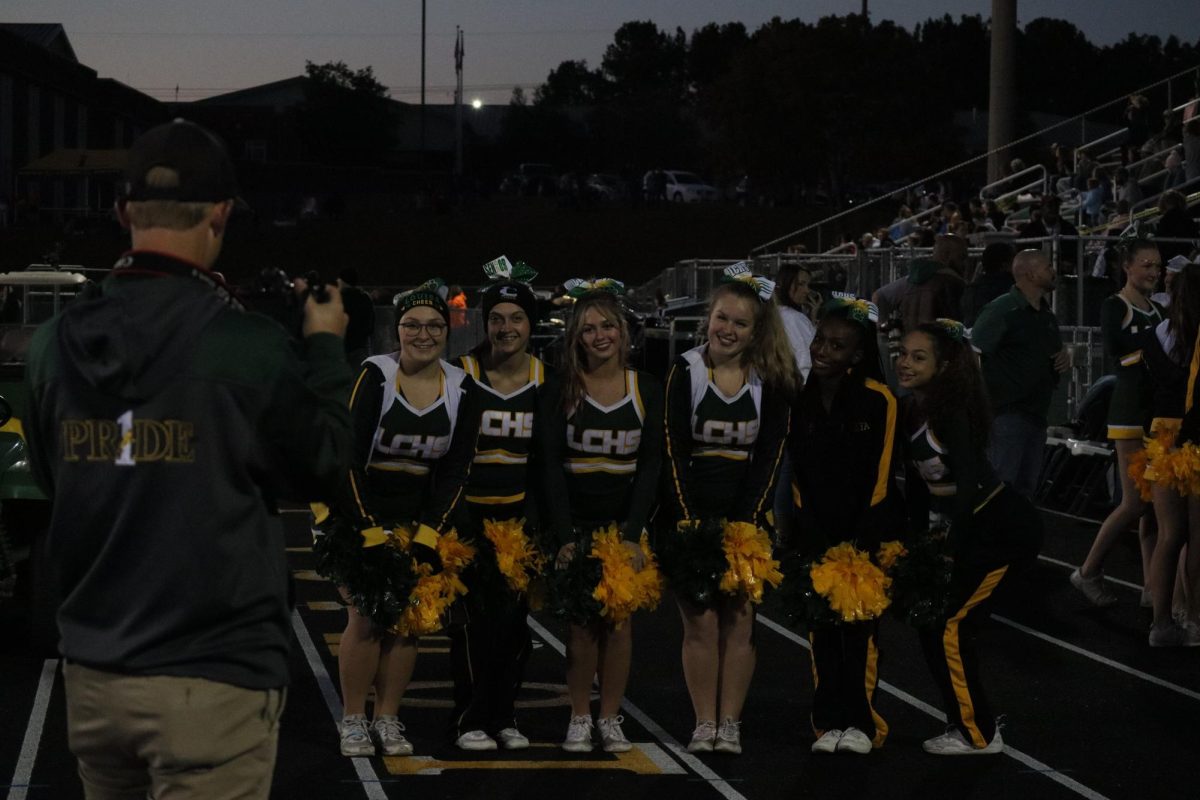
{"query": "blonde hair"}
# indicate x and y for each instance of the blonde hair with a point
(169, 214)
(769, 351)
(574, 357)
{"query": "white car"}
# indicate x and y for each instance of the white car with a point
(678, 186)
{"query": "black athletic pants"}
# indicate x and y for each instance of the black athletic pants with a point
(845, 671)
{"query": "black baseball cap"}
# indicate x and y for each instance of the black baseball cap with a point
(205, 170)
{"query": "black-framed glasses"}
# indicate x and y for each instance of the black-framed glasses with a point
(434, 329)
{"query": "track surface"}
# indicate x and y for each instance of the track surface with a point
(1089, 708)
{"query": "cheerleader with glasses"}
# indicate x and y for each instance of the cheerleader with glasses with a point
(491, 644)
(602, 439)
(415, 422)
(728, 404)
(841, 443)
(990, 530)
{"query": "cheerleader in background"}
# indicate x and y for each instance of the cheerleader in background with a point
(728, 404)
(794, 299)
(841, 443)
(1174, 361)
(602, 440)
(491, 645)
(1124, 318)
(415, 422)
(991, 530)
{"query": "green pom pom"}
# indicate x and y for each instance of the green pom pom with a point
(693, 561)
(378, 579)
(921, 581)
(571, 588)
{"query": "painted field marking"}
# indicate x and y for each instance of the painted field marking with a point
(19, 785)
(645, 758)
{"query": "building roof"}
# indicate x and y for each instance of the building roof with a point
(47, 35)
(77, 162)
(277, 94)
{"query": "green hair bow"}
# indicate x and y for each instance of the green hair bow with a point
(501, 269)
(855, 308)
(741, 273)
(577, 287)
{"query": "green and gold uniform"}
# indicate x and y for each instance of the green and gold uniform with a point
(489, 650)
(1123, 327)
(724, 451)
(602, 462)
(993, 531)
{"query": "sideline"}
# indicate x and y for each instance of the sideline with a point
(1067, 565)
(19, 786)
(362, 766)
(670, 742)
(1021, 758)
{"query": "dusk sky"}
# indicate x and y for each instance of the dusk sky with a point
(221, 45)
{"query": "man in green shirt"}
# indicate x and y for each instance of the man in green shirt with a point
(1023, 355)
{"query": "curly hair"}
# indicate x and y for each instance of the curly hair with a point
(1184, 312)
(871, 365)
(957, 385)
(769, 351)
(574, 356)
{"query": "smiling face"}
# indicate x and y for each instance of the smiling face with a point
(836, 347)
(599, 337)
(1142, 271)
(917, 364)
(730, 325)
(423, 337)
(508, 329)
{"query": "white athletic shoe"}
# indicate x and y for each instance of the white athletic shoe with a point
(612, 738)
(1094, 589)
(828, 743)
(390, 733)
(355, 735)
(579, 735)
(512, 739)
(854, 741)
(953, 743)
(729, 737)
(475, 740)
(703, 737)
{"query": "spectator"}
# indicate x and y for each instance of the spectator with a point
(1126, 187)
(1175, 224)
(1137, 119)
(1191, 149)
(164, 421)
(997, 217)
(1051, 224)
(1174, 266)
(935, 285)
(994, 279)
(1092, 203)
(457, 301)
(361, 310)
(1023, 355)
(902, 225)
(1174, 167)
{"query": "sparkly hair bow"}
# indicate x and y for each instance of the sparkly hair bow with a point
(740, 273)
(577, 287)
(501, 269)
(854, 308)
(434, 286)
(952, 328)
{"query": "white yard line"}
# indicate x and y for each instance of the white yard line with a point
(1069, 565)
(670, 742)
(19, 786)
(362, 766)
(1022, 758)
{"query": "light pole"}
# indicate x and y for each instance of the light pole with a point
(422, 121)
(1002, 92)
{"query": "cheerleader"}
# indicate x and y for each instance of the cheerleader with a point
(604, 427)
(1124, 318)
(728, 404)
(490, 646)
(991, 530)
(1174, 362)
(415, 422)
(841, 443)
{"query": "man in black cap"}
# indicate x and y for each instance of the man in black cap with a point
(164, 422)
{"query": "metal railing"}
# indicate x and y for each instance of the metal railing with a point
(1042, 185)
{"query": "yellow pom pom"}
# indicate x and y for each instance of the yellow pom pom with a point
(855, 588)
(748, 554)
(517, 558)
(623, 590)
(889, 553)
(433, 594)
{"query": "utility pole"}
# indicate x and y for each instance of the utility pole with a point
(458, 102)
(866, 12)
(1002, 93)
(422, 77)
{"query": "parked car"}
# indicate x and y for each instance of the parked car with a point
(679, 186)
(606, 187)
(530, 179)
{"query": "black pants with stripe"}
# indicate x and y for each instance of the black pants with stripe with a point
(488, 653)
(1004, 539)
(845, 671)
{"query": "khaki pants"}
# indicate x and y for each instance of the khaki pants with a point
(170, 738)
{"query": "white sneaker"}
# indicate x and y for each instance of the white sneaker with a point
(579, 735)
(355, 736)
(703, 737)
(1169, 635)
(390, 733)
(1094, 589)
(612, 738)
(729, 737)
(828, 742)
(475, 740)
(854, 741)
(953, 743)
(512, 739)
